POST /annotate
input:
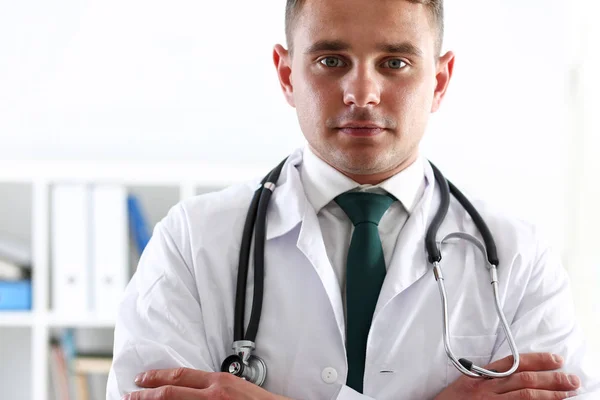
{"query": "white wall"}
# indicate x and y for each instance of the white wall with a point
(501, 133)
(584, 211)
(143, 80)
(151, 80)
(193, 80)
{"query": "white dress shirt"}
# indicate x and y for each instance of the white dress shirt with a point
(323, 183)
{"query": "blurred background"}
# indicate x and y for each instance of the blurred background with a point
(138, 104)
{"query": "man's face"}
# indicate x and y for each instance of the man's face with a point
(364, 77)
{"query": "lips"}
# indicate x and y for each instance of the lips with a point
(361, 129)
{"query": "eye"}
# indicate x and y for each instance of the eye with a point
(332, 62)
(395, 63)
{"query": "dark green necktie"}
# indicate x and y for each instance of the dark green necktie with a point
(364, 275)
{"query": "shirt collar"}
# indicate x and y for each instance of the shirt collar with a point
(323, 183)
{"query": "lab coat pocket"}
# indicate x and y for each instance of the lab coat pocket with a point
(477, 349)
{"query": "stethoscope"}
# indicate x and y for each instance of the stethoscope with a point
(244, 364)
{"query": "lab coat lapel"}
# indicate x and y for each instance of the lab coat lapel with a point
(310, 242)
(290, 207)
(409, 261)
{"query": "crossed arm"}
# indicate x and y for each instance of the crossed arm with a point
(535, 379)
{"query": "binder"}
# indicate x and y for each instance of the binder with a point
(15, 296)
(110, 247)
(9, 271)
(70, 249)
(137, 221)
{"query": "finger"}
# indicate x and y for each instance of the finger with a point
(169, 393)
(529, 362)
(184, 377)
(556, 381)
(527, 394)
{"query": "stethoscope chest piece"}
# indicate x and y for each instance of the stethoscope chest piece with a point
(244, 365)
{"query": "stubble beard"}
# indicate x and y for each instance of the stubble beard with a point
(357, 162)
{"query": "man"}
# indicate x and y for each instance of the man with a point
(364, 76)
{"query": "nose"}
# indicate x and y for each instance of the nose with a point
(362, 88)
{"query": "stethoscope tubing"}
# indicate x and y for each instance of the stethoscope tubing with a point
(447, 188)
(490, 252)
(255, 220)
(465, 366)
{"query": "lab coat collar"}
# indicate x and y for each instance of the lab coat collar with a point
(287, 204)
(321, 182)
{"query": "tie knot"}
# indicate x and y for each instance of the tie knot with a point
(364, 207)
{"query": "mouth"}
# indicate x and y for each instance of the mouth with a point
(361, 129)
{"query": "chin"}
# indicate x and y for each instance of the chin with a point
(361, 161)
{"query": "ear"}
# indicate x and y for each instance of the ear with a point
(283, 64)
(444, 69)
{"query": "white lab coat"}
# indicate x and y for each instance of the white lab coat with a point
(178, 308)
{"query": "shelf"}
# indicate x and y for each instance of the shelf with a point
(149, 181)
(82, 321)
(16, 319)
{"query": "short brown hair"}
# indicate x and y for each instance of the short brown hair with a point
(436, 7)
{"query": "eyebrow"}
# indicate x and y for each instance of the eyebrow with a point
(402, 48)
(327, 45)
(338, 45)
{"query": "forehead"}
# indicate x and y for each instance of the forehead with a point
(363, 23)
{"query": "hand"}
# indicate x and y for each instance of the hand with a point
(531, 381)
(189, 384)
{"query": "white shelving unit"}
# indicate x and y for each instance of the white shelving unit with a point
(188, 178)
(16, 319)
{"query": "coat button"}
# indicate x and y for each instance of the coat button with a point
(329, 375)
